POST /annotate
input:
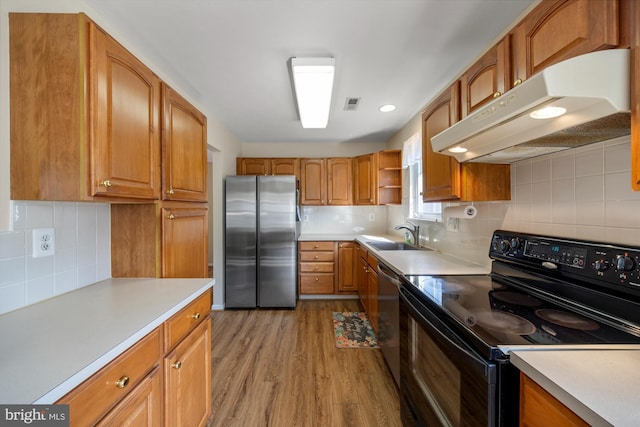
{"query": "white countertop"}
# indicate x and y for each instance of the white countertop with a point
(48, 348)
(419, 262)
(600, 386)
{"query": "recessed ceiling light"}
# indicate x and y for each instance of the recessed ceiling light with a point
(547, 112)
(387, 107)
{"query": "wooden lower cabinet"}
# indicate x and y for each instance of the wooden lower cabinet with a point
(367, 281)
(316, 267)
(538, 408)
(188, 379)
(347, 279)
(154, 382)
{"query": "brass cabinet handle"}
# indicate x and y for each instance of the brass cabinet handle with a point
(317, 278)
(316, 247)
(315, 257)
(517, 82)
(196, 316)
(172, 216)
(122, 382)
(176, 365)
(497, 94)
(315, 268)
(170, 191)
(106, 183)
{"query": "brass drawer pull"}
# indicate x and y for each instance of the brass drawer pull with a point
(196, 316)
(122, 382)
(315, 268)
(317, 279)
(316, 257)
(106, 183)
(177, 365)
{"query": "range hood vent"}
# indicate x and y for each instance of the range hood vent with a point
(594, 90)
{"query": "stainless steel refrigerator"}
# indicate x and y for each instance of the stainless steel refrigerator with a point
(260, 242)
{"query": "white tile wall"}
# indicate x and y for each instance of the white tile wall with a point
(583, 193)
(343, 219)
(82, 253)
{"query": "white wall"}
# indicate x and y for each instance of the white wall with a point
(305, 149)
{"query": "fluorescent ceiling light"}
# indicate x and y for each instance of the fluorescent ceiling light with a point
(387, 107)
(313, 82)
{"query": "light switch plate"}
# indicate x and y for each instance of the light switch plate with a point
(44, 242)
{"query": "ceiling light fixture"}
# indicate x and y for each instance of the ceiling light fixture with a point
(547, 112)
(457, 150)
(313, 83)
(387, 108)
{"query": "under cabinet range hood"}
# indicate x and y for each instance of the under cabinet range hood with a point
(592, 88)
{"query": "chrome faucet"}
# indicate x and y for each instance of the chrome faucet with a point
(413, 229)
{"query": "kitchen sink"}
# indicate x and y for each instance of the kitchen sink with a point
(396, 246)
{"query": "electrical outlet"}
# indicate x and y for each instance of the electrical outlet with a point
(452, 224)
(44, 242)
(372, 217)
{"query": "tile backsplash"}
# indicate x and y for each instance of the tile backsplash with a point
(82, 251)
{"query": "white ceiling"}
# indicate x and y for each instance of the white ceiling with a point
(231, 56)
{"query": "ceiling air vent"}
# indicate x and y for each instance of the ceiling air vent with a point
(351, 104)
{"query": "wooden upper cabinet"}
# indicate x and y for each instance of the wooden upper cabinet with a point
(446, 179)
(251, 166)
(635, 96)
(124, 131)
(364, 180)
(440, 173)
(84, 113)
(487, 78)
(184, 242)
(561, 29)
(284, 167)
(313, 182)
(184, 149)
(339, 184)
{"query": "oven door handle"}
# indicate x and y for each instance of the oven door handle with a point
(442, 336)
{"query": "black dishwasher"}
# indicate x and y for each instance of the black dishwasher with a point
(389, 318)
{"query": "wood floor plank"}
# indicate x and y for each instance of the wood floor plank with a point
(281, 368)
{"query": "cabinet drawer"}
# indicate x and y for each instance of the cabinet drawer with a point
(179, 325)
(316, 246)
(321, 283)
(315, 256)
(92, 399)
(316, 267)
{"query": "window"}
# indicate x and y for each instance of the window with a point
(412, 160)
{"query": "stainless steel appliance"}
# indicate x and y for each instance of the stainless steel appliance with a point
(389, 318)
(260, 242)
(456, 332)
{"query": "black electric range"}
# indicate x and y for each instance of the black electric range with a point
(542, 291)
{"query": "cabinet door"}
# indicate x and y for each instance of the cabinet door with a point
(313, 182)
(184, 149)
(188, 379)
(347, 280)
(250, 166)
(487, 78)
(339, 185)
(364, 172)
(635, 96)
(440, 173)
(141, 408)
(372, 299)
(560, 29)
(184, 242)
(284, 167)
(124, 116)
(363, 283)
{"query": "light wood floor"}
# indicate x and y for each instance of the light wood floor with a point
(281, 368)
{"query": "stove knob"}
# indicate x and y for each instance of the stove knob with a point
(601, 265)
(505, 246)
(624, 263)
(515, 243)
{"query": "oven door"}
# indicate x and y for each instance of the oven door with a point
(443, 382)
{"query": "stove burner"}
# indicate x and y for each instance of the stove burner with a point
(567, 319)
(501, 321)
(517, 298)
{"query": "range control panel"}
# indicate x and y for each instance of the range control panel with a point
(599, 263)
